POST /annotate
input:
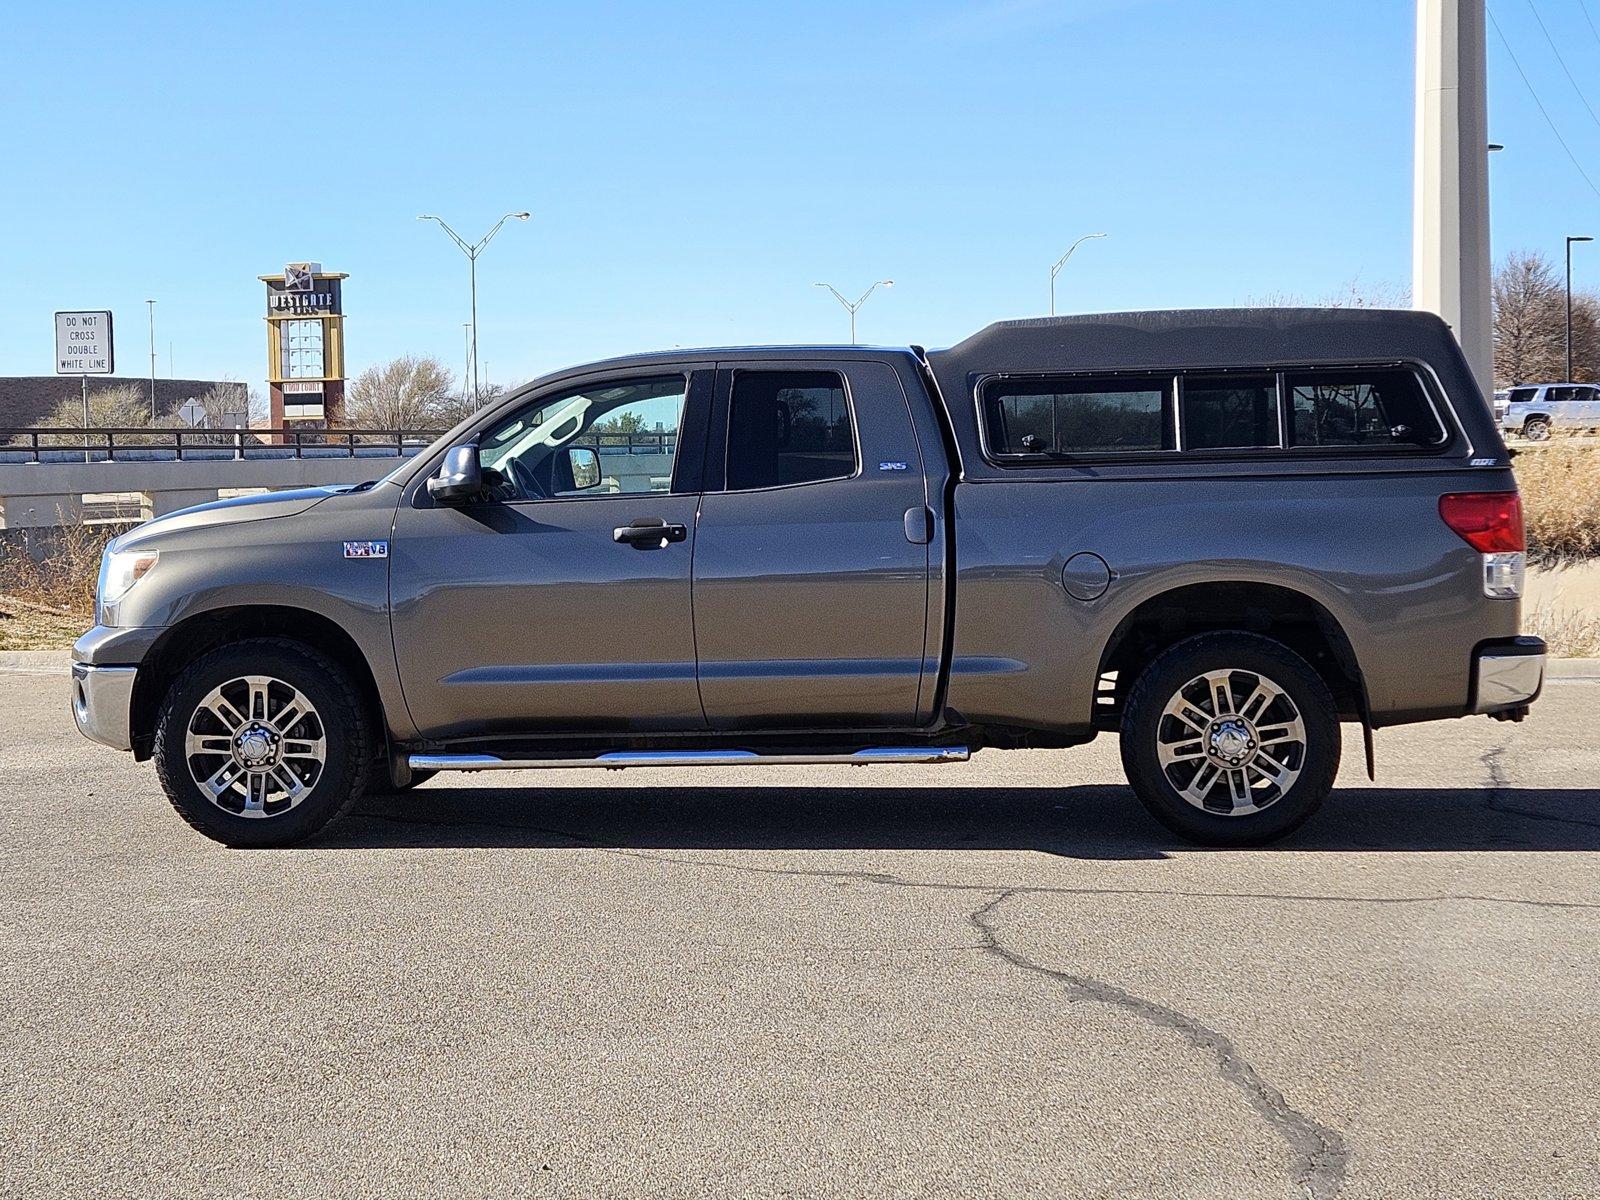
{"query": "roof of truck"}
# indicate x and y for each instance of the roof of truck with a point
(1187, 339)
(1193, 338)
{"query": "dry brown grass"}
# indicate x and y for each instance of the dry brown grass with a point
(25, 626)
(46, 602)
(1560, 484)
(1570, 634)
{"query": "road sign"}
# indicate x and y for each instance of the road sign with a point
(83, 343)
(193, 413)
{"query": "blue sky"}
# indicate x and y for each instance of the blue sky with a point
(693, 168)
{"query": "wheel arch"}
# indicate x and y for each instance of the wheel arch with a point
(1290, 616)
(186, 641)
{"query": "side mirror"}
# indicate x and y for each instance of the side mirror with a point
(585, 464)
(460, 478)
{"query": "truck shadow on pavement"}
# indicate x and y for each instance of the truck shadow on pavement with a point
(1088, 822)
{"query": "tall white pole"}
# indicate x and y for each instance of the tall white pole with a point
(1450, 260)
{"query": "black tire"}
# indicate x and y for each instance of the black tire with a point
(381, 785)
(346, 731)
(1537, 429)
(1281, 810)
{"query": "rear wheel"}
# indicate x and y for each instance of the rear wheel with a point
(262, 743)
(1230, 739)
(1536, 429)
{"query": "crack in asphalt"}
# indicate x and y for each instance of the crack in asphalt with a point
(1321, 1156)
(1499, 783)
(1321, 1159)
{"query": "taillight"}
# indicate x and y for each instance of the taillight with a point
(1490, 522)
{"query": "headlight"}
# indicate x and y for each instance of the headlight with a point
(120, 570)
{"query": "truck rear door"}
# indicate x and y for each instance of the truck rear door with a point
(811, 556)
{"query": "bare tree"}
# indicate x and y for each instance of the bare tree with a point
(1353, 293)
(1529, 321)
(407, 393)
(225, 397)
(1585, 337)
(123, 406)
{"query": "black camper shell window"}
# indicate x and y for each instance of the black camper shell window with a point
(1382, 409)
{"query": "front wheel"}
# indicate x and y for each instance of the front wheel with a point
(262, 743)
(1230, 739)
(1537, 429)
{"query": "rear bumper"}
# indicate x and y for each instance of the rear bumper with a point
(102, 703)
(1508, 674)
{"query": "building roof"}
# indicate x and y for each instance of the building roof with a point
(27, 400)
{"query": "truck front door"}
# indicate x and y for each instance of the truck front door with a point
(560, 601)
(811, 558)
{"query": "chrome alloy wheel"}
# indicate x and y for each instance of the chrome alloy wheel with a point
(255, 746)
(1231, 742)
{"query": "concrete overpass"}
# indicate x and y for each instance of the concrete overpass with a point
(36, 495)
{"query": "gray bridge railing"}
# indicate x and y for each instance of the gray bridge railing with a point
(134, 444)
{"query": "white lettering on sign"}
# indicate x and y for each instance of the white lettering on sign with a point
(83, 343)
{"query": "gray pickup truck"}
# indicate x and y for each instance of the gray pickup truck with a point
(1217, 533)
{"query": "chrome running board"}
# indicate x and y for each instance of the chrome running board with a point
(616, 760)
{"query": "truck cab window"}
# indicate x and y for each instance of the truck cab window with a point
(788, 427)
(612, 439)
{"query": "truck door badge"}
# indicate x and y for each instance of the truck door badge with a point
(366, 549)
(891, 466)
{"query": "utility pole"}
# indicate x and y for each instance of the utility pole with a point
(152, 306)
(1450, 258)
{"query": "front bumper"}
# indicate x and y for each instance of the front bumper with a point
(1508, 675)
(102, 703)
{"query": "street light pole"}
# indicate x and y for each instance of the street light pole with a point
(152, 307)
(1570, 240)
(1062, 261)
(472, 250)
(853, 308)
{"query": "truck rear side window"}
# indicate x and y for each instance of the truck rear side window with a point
(1370, 407)
(1089, 416)
(788, 427)
(1230, 412)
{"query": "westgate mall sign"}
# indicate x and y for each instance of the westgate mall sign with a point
(300, 294)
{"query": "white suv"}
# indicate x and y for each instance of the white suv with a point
(1535, 411)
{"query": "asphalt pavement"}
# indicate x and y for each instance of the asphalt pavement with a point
(995, 979)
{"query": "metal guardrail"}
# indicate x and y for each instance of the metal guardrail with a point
(630, 443)
(134, 444)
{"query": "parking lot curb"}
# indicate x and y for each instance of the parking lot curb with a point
(1574, 668)
(34, 662)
